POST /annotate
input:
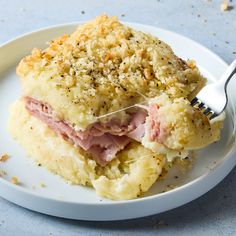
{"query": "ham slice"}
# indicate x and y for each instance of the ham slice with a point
(156, 129)
(101, 140)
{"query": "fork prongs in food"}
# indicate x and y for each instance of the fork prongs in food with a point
(194, 101)
(205, 109)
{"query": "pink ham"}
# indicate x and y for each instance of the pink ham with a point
(101, 140)
(156, 130)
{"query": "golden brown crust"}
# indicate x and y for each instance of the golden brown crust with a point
(102, 67)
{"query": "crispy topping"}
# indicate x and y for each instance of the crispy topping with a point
(104, 60)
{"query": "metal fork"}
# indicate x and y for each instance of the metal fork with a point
(212, 99)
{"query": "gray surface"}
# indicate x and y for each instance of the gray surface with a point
(212, 214)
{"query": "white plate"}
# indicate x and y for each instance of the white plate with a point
(77, 202)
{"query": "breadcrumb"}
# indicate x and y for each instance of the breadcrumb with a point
(170, 187)
(15, 180)
(102, 67)
(225, 6)
(4, 157)
(2, 172)
(42, 185)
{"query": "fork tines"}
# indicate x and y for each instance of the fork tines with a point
(205, 109)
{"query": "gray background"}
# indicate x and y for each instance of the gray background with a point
(212, 214)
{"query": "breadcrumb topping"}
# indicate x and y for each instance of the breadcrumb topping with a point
(102, 67)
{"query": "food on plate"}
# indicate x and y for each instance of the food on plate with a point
(108, 107)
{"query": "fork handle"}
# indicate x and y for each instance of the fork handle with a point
(228, 74)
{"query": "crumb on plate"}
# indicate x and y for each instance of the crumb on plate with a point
(42, 185)
(15, 180)
(225, 6)
(170, 187)
(4, 157)
(2, 172)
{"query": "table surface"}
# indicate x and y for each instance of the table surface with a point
(212, 214)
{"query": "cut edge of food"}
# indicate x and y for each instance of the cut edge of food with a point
(134, 170)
